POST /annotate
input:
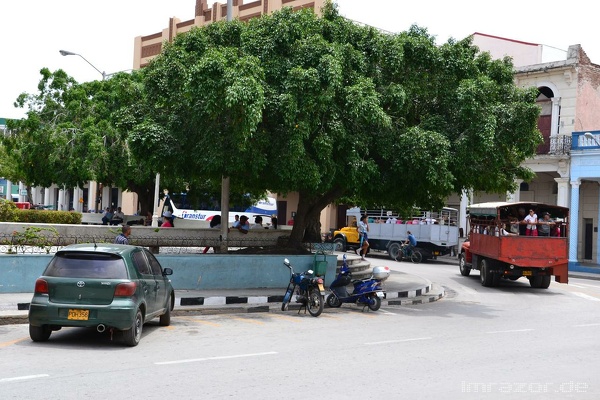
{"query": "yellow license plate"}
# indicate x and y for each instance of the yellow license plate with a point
(80, 315)
(321, 288)
(527, 273)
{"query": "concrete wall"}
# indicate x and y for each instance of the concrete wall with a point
(190, 272)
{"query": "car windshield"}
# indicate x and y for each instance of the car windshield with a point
(87, 265)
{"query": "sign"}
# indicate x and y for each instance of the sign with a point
(23, 192)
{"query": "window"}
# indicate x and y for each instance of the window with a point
(140, 263)
(84, 265)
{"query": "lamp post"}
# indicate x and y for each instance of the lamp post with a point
(590, 135)
(70, 53)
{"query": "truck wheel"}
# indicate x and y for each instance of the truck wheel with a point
(394, 250)
(545, 282)
(462, 265)
(485, 275)
(339, 244)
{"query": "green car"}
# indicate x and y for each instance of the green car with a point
(107, 286)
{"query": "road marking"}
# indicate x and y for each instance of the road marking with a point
(215, 358)
(512, 331)
(200, 321)
(285, 318)
(23, 378)
(586, 325)
(381, 310)
(5, 344)
(397, 341)
(586, 296)
(250, 321)
(577, 286)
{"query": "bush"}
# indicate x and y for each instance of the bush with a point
(10, 213)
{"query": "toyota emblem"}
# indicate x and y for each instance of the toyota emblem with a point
(80, 284)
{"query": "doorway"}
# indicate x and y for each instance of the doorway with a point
(588, 238)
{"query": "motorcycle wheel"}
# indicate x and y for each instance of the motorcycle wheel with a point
(333, 301)
(315, 302)
(374, 303)
(286, 299)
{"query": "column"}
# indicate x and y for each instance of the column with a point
(514, 197)
(574, 221)
(21, 191)
(465, 199)
(8, 190)
(47, 199)
(562, 196)
(92, 187)
(61, 199)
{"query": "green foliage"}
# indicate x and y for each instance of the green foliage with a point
(8, 210)
(44, 238)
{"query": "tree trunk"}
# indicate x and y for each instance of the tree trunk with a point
(307, 225)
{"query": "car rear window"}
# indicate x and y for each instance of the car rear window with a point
(87, 265)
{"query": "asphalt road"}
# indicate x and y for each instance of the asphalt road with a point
(476, 343)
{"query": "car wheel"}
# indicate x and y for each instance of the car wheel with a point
(546, 279)
(39, 333)
(339, 244)
(133, 335)
(462, 265)
(165, 319)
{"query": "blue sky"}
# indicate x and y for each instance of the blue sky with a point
(33, 31)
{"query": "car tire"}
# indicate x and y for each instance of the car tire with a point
(339, 244)
(485, 275)
(132, 336)
(462, 265)
(165, 319)
(39, 333)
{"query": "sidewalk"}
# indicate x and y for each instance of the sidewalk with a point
(401, 289)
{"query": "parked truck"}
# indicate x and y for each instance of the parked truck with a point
(436, 231)
(500, 247)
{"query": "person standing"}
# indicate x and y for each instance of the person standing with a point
(257, 223)
(531, 221)
(236, 222)
(363, 233)
(545, 224)
(243, 226)
(123, 237)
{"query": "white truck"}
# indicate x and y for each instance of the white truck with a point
(436, 232)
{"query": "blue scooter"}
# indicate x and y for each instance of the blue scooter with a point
(367, 292)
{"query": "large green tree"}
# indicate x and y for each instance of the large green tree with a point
(290, 102)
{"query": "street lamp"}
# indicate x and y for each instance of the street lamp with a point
(590, 135)
(70, 53)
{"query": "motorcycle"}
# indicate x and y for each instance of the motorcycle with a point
(367, 292)
(308, 289)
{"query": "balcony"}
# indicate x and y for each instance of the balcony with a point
(555, 145)
(589, 140)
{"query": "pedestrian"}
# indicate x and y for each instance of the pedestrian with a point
(107, 217)
(118, 217)
(123, 237)
(274, 221)
(363, 229)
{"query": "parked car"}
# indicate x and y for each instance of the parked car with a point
(107, 286)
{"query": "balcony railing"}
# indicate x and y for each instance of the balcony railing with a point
(586, 140)
(555, 145)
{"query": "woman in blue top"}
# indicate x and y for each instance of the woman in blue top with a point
(363, 229)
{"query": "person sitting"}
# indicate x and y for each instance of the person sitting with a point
(215, 223)
(118, 217)
(257, 223)
(167, 220)
(243, 226)
(107, 217)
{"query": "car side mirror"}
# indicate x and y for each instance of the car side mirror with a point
(167, 271)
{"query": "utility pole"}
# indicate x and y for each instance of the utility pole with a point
(225, 179)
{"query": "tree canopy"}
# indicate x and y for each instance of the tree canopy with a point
(291, 102)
